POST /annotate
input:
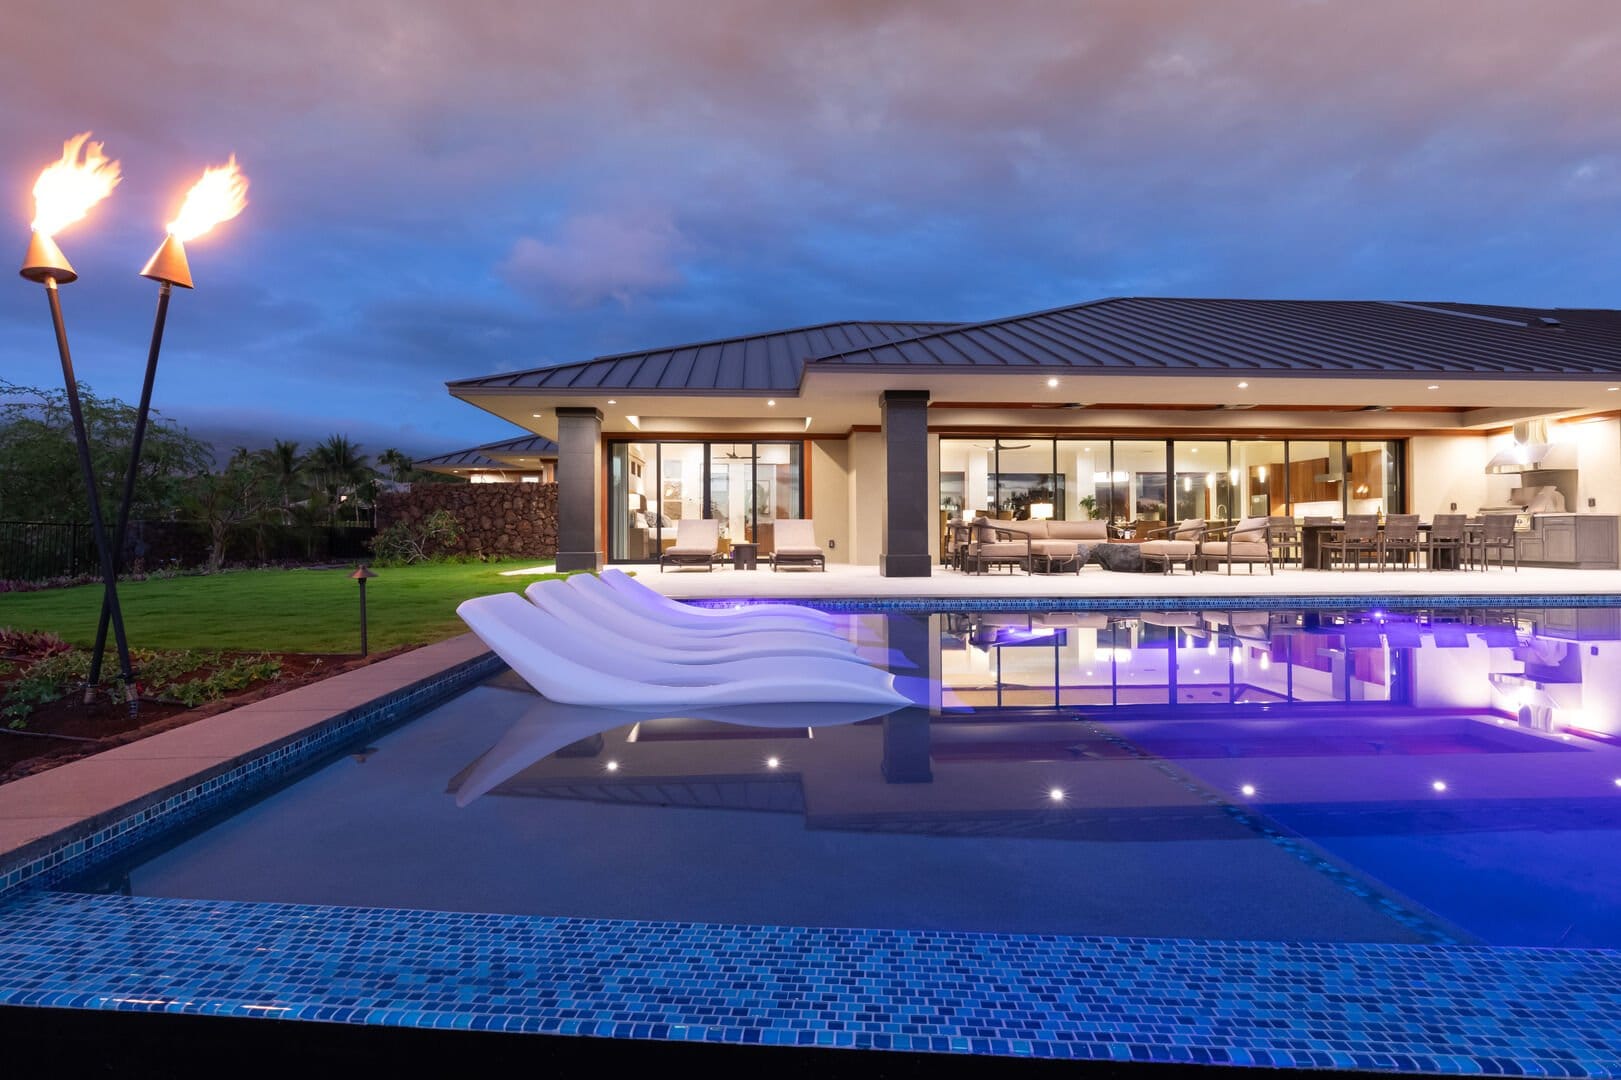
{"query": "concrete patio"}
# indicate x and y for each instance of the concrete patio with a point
(844, 581)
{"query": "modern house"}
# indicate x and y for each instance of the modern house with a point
(1124, 409)
(528, 459)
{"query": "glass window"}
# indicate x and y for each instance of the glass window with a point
(1261, 478)
(1370, 478)
(1024, 483)
(633, 502)
(1140, 493)
(1316, 479)
(1083, 479)
(1202, 487)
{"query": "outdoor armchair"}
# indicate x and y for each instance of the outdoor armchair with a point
(1177, 544)
(1250, 541)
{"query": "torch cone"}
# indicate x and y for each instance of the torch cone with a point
(169, 263)
(45, 260)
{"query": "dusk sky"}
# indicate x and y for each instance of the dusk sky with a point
(444, 190)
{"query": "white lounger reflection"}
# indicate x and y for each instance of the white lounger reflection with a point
(547, 655)
(611, 630)
(547, 727)
(581, 602)
(655, 602)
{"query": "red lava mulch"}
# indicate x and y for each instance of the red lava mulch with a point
(29, 750)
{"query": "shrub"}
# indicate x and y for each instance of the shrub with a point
(403, 543)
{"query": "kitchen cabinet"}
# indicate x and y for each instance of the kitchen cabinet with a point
(1584, 541)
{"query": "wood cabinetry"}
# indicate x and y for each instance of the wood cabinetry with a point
(1584, 541)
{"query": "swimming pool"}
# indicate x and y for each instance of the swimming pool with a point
(1235, 836)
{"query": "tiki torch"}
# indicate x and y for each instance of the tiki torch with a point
(218, 196)
(65, 192)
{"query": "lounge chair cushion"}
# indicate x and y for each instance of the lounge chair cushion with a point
(1176, 549)
(1240, 549)
(1078, 530)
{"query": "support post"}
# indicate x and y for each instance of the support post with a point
(907, 499)
(579, 475)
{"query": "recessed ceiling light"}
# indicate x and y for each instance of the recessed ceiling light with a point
(611, 401)
(1243, 386)
(536, 415)
(772, 763)
(1052, 383)
(1433, 386)
(1612, 389)
(1439, 785)
(611, 766)
(771, 401)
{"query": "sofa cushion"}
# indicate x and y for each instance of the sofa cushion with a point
(1035, 528)
(1250, 525)
(1240, 549)
(1078, 530)
(1174, 548)
(1061, 549)
(1189, 528)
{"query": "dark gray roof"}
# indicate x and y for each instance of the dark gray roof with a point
(483, 457)
(1349, 337)
(769, 362)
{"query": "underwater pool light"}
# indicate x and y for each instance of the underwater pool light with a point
(1248, 791)
(772, 762)
(1056, 794)
(1439, 785)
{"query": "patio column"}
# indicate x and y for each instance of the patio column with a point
(579, 472)
(907, 497)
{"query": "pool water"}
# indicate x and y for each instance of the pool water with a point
(1337, 776)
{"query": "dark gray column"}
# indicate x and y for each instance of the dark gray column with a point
(907, 498)
(906, 732)
(579, 472)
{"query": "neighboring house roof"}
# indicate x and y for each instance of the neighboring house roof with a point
(489, 455)
(766, 362)
(1133, 334)
(1347, 337)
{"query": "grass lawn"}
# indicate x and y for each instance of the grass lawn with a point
(273, 610)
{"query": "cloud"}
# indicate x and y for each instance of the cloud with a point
(597, 257)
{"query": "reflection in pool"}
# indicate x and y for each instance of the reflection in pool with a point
(1376, 775)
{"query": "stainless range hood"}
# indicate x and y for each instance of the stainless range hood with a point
(1532, 451)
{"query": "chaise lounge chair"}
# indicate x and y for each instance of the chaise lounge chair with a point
(600, 622)
(560, 665)
(796, 545)
(697, 543)
(655, 603)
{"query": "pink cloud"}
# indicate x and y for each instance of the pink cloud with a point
(596, 257)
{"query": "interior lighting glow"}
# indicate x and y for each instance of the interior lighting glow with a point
(1243, 386)
(1433, 386)
(1051, 383)
(611, 401)
(1260, 474)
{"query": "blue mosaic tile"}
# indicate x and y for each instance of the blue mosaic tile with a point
(1403, 1008)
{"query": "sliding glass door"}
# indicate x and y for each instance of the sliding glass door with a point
(745, 486)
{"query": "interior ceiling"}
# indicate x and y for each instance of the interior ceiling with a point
(832, 403)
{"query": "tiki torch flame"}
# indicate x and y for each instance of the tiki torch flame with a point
(68, 188)
(218, 196)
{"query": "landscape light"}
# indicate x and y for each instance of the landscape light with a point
(363, 574)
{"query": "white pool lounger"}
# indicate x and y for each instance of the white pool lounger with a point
(653, 601)
(561, 666)
(549, 726)
(607, 631)
(647, 629)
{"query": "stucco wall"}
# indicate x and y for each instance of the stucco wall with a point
(830, 496)
(1598, 454)
(1448, 469)
(867, 489)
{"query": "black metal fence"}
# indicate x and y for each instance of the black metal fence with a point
(40, 550)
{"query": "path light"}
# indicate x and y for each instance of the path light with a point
(219, 195)
(66, 191)
(363, 574)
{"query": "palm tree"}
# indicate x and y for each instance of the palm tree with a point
(397, 462)
(338, 467)
(284, 468)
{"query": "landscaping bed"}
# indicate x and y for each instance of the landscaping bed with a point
(183, 687)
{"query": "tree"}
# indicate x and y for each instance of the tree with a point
(239, 494)
(39, 464)
(338, 468)
(398, 464)
(284, 469)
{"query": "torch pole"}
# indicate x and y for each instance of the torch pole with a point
(132, 473)
(98, 529)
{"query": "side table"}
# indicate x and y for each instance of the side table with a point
(745, 556)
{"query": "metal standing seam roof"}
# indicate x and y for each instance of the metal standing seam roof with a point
(1329, 337)
(479, 457)
(764, 363)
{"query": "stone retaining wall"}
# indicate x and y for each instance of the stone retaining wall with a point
(517, 520)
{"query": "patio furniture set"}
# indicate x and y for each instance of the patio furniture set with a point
(1451, 541)
(697, 544)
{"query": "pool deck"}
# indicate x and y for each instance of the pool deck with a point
(850, 582)
(1402, 1008)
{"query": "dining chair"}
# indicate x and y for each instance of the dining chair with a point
(1359, 537)
(1446, 539)
(1496, 534)
(1400, 537)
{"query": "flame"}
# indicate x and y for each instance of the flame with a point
(67, 189)
(218, 196)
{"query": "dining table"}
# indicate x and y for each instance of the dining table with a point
(1314, 557)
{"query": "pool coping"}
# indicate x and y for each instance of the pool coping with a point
(1414, 1008)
